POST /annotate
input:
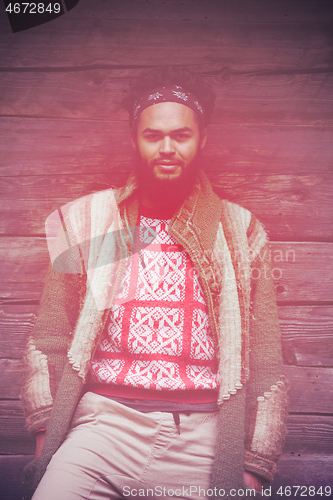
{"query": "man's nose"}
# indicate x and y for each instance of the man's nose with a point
(167, 146)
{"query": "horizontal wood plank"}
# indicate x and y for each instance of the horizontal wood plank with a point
(14, 436)
(292, 471)
(299, 99)
(302, 470)
(291, 207)
(11, 478)
(104, 41)
(307, 335)
(302, 271)
(25, 265)
(307, 332)
(307, 434)
(40, 146)
(210, 10)
(16, 324)
(310, 388)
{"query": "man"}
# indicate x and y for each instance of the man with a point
(155, 363)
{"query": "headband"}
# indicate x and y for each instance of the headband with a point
(167, 94)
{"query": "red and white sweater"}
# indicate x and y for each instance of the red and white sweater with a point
(157, 342)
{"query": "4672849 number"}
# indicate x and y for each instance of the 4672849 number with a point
(304, 491)
(33, 8)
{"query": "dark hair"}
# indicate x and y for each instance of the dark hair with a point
(168, 76)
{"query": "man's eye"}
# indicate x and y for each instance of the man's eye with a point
(181, 137)
(153, 137)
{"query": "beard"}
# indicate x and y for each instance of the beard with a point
(167, 190)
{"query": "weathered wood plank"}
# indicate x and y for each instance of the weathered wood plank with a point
(14, 437)
(102, 40)
(291, 207)
(36, 147)
(11, 478)
(237, 11)
(307, 434)
(307, 335)
(300, 268)
(16, 324)
(310, 391)
(10, 380)
(297, 99)
(25, 264)
(302, 271)
(307, 332)
(305, 470)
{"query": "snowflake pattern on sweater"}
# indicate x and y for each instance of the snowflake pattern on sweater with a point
(157, 335)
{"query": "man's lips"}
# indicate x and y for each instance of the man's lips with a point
(168, 165)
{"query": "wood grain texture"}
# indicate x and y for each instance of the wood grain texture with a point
(285, 99)
(37, 146)
(210, 10)
(26, 262)
(300, 470)
(16, 324)
(63, 134)
(302, 271)
(14, 437)
(303, 470)
(307, 434)
(307, 335)
(307, 332)
(11, 478)
(100, 40)
(291, 207)
(310, 388)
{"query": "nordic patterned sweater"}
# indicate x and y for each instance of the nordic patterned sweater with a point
(89, 257)
(157, 344)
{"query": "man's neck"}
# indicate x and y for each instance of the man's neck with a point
(170, 205)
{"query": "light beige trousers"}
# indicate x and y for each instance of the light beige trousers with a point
(113, 452)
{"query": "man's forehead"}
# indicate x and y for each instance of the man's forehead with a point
(168, 115)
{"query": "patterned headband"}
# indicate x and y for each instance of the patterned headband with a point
(168, 94)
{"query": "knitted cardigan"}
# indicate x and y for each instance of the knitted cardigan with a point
(228, 248)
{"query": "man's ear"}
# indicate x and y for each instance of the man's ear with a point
(203, 138)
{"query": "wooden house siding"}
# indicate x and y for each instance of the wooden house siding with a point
(63, 134)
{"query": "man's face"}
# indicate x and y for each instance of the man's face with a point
(168, 141)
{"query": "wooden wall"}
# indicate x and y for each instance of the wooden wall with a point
(63, 135)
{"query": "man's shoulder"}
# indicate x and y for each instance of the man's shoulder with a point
(236, 213)
(113, 195)
(95, 197)
(240, 219)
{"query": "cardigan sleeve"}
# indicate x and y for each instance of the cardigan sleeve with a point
(266, 399)
(46, 351)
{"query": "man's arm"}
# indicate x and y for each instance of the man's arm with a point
(266, 407)
(46, 351)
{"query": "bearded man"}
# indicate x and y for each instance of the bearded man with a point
(155, 365)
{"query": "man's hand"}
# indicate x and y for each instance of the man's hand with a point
(40, 438)
(252, 480)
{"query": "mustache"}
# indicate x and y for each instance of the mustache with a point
(165, 161)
